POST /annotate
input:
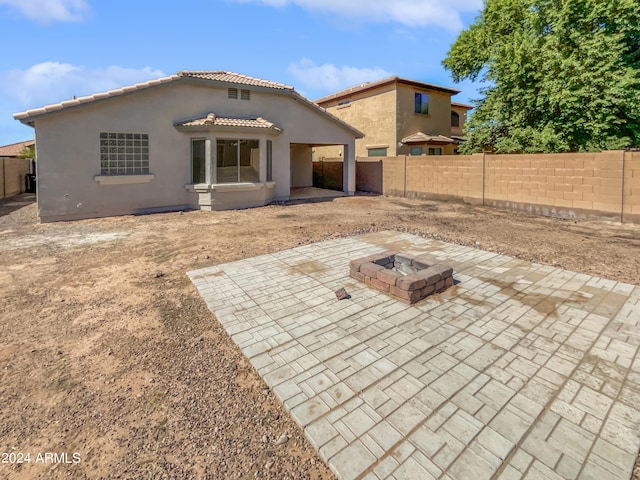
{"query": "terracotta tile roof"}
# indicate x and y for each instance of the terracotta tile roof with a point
(230, 77)
(22, 116)
(216, 75)
(221, 76)
(421, 137)
(385, 81)
(214, 120)
(15, 148)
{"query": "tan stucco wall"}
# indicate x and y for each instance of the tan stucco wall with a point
(12, 175)
(463, 118)
(373, 113)
(68, 147)
(437, 121)
(301, 166)
(387, 114)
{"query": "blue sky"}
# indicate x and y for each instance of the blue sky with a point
(54, 49)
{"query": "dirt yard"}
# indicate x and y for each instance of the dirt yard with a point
(108, 353)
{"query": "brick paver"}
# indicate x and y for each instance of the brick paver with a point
(519, 371)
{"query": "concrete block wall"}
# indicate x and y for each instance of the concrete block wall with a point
(631, 188)
(445, 176)
(369, 175)
(602, 185)
(12, 175)
(393, 176)
(565, 185)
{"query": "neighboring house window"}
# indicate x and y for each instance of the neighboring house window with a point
(237, 160)
(245, 94)
(233, 93)
(455, 119)
(198, 161)
(435, 150)
(124, 153)
(376, 152)
(269, 161)
(416, 150)
(422, 103)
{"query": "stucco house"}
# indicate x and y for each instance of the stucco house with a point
(399, 116)
(211, 140)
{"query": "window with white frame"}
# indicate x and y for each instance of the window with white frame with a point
(124, 153)
(238, 160)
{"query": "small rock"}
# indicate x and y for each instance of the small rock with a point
(342, 294)
(282, 440)
(269, 464)
(265, 439)
(159, 274)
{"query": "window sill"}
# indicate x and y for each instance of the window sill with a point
(229, 187)
(123, 179)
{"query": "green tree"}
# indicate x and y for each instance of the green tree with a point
(558, 75)
(28, 152)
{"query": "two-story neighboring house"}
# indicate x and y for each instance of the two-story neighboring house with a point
(399, 117)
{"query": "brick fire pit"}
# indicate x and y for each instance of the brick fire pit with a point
(404, 277)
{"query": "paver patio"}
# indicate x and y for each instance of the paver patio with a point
(520, 370)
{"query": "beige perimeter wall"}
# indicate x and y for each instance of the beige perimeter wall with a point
(573, 185)
(12, 172)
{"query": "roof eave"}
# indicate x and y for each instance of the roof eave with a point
(28, 117)
(382, 83)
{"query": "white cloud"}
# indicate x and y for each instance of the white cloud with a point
(51, 82)
(414, 13)
(328, 77)
(45, 11)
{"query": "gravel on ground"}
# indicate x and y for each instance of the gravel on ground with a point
(108, 352)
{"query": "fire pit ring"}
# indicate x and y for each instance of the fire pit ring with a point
(405, 277)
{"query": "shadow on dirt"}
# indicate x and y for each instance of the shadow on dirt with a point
(11, 204)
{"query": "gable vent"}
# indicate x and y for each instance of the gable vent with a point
(233, 93)
(245, 94)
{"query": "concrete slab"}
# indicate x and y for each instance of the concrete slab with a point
(520, 370)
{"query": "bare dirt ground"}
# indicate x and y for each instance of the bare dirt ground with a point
(107, 351)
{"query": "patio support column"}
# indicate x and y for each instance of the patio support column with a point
(262, 163)
(349, 169)
(210, 170)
